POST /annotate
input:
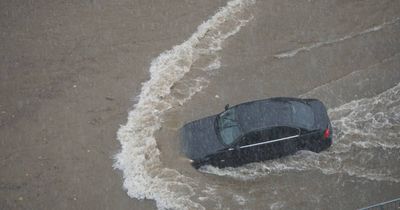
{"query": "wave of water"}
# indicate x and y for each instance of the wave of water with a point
(376, 28)
(139, 159)
(366, 141)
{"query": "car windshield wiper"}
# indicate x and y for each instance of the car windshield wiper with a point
(230, 120)
(230, 126)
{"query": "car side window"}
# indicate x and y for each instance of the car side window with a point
(279, 132)
(250, 138)
(268, 135)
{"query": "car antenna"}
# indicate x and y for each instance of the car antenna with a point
(226, 107)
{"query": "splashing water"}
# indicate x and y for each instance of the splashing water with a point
(144, 175)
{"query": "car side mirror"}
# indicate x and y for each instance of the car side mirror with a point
(235, 147)
(226, 107)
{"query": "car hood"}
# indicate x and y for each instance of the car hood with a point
(199, 139)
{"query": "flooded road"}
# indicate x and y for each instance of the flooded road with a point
(93, 94)
(344, 68)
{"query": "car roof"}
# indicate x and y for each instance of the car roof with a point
(261, 114)
(273, 99)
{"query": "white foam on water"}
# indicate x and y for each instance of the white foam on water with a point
(294, 52)
(376, 120)
(139, 159)
(240, 199)
(360, 127)
(277, 205)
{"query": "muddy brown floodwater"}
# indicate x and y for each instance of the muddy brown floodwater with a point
(92, 94)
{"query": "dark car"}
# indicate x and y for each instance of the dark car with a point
(257, 131)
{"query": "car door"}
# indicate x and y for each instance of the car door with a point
(278, 141)
(245, 149)
(290, 137)
(225, 157)
(263, 144)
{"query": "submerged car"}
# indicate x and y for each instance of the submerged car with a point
(257, 131)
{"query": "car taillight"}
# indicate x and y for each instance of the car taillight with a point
(327, 133)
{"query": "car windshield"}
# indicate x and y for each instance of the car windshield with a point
(302, 115)
(228, 127)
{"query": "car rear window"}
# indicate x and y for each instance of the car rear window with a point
(302, 115)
